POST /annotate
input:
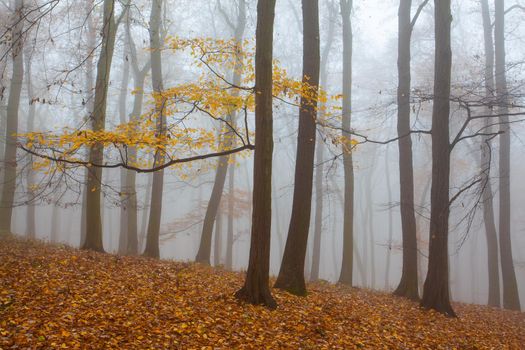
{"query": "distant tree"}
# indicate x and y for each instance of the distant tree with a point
(203, 255)
(347, 264)
(256, 288)
(510, 287)
(13, 103)
(291, 274)
(485, 164)
(436, 289)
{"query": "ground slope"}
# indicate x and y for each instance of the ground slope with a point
(58, 297)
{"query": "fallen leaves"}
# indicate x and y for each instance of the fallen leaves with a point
(61, 298)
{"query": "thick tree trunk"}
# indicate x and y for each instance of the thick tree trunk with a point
(13, 103)
(511, 299)
(256, 286)
(436, 288)
(152, 240)
(347, 264)
(203, 255)
(96, 153)
(408, 286)
(291, 274)
(488, 207)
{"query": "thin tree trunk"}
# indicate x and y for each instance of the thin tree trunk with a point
(511, 299)
(217, 246)
(152, 240)
(291, 274)
(408, 286)
(436, 293)
(96, 153)
(203, 255)
(30, 179)
(231, 202)
(55, 219)
(13, 103)
(256, 288)
(145, 212)
(485, 164)
(347, 264)
(124, 195)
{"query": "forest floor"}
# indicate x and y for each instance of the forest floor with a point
(53, 296)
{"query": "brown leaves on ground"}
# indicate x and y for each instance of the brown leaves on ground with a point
(57, 297)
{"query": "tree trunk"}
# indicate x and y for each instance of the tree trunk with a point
(217, 239)
(55, 219)
(96, 153)
(203, 255)
(291, 274)
(124, 195)
(13, 103)
(511, 299)
(347, 264)
(436, 288)
(256, 288)
(488, 207)
(229, 237)
(30, 179)
(89, 103)
(390, 220)
(408, 286)
(152, 240)
(319, 172)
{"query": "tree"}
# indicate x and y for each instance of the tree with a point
(152, 238)
(408, 286)
(13, 103)
(347, 264)
(291, 274)
(436, 288)
(256, 288)
(485, 164)
(510, 288)
(319, 171)
(96, 152)
(203, 255)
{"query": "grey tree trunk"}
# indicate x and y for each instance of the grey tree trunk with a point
(203, 255)
(347, 264)
(30, 177)
(408, 286)
(229, 235)
(13, 103)
(256, 289)
(217, 244)
(291, 273)
(319, 171)
(152, 239)
(436, 293)
(511, 299)
(96, 153)
(390, 220)
(485, 164)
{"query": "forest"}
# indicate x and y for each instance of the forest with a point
(303, 174)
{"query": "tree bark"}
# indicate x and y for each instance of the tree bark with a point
(217, 246)
(511, 299)
(96, 153)
(347, 264)
(152, 240)
(408, 286)
(291, 274)
(229, 235)
(485, 164)
(256, 288)
(13, 103)
(436, 293)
